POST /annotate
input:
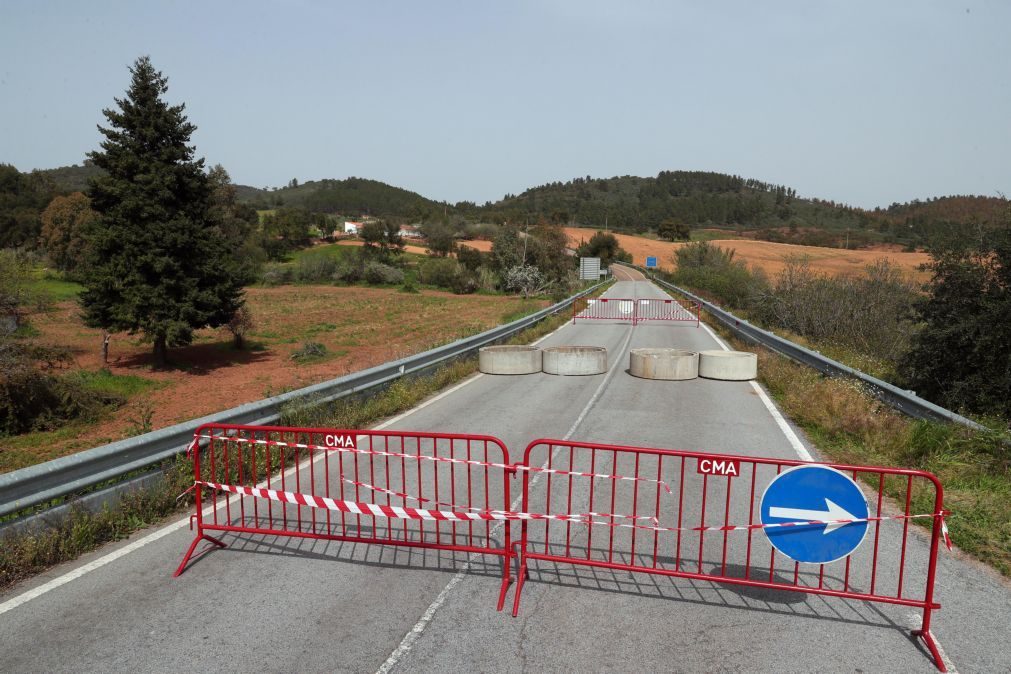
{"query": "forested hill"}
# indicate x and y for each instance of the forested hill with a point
(348, 196)
(697, 198)
(629, 203)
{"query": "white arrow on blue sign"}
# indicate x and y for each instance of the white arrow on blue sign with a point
(651, 262)
(807, 493)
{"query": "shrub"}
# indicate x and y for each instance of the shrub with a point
(349, 271)
(309, 351)
(240, 324)
(315, 269)
(379, 273)
(439, 272)
(276, 275)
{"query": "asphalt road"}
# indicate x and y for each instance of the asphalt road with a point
(276, 604)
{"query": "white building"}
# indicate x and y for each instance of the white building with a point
(351, 227)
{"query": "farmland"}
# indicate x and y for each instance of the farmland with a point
(358, 326)
(765, 255)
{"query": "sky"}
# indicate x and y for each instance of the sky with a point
(865, 103)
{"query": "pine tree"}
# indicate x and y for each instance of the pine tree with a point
(158, 265)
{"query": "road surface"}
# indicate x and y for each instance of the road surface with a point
(275, 604)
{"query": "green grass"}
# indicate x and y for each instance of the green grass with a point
(849, 425)
(54, 289)
(525, 308)
(125, 385)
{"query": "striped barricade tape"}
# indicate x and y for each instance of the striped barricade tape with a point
(425, 457)
(404, 512)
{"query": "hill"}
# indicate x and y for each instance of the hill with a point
(351, 195)
(72, 178)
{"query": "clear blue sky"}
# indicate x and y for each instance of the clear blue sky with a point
(861, 102)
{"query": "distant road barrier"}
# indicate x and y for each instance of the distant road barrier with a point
(637, 311)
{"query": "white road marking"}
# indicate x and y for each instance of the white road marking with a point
(76, 573)
(915, 623)
(777, 416)
(412, 636)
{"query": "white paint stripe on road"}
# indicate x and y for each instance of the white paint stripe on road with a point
(916, 623)
(76, 573)
(407, 643)
(777, 416)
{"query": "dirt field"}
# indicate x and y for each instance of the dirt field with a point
(477, 244)
(360, 327)
(764, 254)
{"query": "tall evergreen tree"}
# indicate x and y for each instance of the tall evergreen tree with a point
(159, 265)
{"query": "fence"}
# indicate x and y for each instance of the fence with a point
(673, 513)
(696, 515)
(636, 310)
(422, 490)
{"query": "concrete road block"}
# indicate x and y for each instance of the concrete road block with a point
(667, 364)
(728, 365)
(509, 359)
(575, 360)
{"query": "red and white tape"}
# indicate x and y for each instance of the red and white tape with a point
(425, 457)
(404, 512)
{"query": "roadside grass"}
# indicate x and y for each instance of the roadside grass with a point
(48, 285)
(124, 385)
(848, 425)
(24, 554)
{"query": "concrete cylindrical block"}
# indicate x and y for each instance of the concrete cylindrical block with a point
(575, 360)
(728, 365)
(668, 364)
(509, 359)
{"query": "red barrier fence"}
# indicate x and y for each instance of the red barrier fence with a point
(668, 512)
(696, 515)
(335, 485)
(637, 310)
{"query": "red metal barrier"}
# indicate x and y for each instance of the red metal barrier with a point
(290, 469)
(677, 310)
(637, 310)
(672, 513)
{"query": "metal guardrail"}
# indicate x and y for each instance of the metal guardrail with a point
(906, 402)
(27, 487)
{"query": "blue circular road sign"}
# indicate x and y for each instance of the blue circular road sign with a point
(807, 493)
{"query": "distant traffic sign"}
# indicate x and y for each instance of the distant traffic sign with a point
(651, 262)
(807, 493)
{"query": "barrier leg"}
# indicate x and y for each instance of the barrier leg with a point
(929, 642)
(193, 546)
(521, 576)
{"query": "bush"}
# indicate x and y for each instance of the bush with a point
(348, 272)
(439, 272)
(33, 398)
(240, 324)
(382, 274)
(315, 269)
(309, 351)
(276, 275)
(714, 270)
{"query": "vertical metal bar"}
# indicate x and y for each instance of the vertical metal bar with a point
(470, 504)
(298, 481)
(284, 506)
(656, 509)
(593, 481)
(312, 476)
(326, 480)
(751, 520)
(239, 449)
(389, 486)
(487, 502)
(635, 506)
(356, 479)
(568, 501)
(681, 501)
(547, 499)
(435, 472)
(226, 479)
(702, 516)
(254, 480)
(726, 521)
(211, 451)
(340, 485)
(877, 531)
(270, 471)
(614, 490)
(452, 482)
(905, 533)
(373, 497)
